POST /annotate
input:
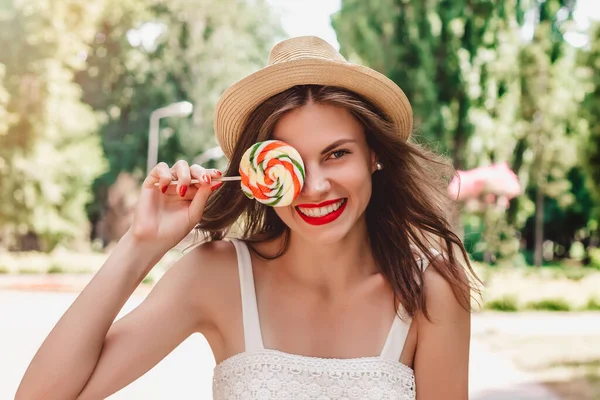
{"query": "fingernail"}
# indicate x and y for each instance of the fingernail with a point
(206, 178)
(218, 185)
(164, 189)
(219, 173)
(182, 190)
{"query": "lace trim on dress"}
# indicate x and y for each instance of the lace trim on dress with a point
(272, 374)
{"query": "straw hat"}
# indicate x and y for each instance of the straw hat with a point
(306, 60)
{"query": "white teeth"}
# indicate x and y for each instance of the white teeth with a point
(321, 211)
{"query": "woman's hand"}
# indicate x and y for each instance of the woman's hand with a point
(166, 213)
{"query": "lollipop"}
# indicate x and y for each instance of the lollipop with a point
(272, 172)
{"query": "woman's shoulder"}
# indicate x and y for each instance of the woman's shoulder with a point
(446, 287)
(208, 276)
(213, 262)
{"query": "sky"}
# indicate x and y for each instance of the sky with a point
(309, 17)
(312, 17)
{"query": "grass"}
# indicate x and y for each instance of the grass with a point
(556, 304)
(567, 365)
(506, 303)
(511, 289)
(55, 269)
(29, 271)
(593, 305)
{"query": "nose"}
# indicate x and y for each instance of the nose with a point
(315, 183)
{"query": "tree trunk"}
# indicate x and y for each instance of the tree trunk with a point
(539, 226)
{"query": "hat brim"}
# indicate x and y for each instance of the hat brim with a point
(242, 98)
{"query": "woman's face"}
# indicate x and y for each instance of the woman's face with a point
(338, 164)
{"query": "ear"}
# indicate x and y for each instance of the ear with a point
(373, 162)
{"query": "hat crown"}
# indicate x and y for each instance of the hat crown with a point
(303, 47)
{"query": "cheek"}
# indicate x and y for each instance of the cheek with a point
(284, 213)
(360, 180)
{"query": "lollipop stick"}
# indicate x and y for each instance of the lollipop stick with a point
(221, 179)
(227, 179)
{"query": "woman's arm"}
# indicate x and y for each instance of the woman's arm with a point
(81, 352)
(177, 307)
(86, 356)
(442, 355)
(68, 355)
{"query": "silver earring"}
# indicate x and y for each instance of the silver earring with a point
(379, 166)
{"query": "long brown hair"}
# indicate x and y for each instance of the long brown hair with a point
(409, 207)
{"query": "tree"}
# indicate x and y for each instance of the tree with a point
(550, 96)
(147, 55)
(434, 51)
(591, 113)
(49, 149)
(481, 91)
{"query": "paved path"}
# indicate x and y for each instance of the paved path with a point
(26, 317)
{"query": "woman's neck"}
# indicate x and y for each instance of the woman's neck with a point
(329, 267)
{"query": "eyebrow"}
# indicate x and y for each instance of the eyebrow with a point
(336, 144)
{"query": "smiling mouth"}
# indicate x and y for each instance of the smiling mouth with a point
(323, 213)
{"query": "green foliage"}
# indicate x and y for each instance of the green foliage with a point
(145, 56)
(78, 82)
(148, 280)
(484, 93)
(593, 305)
(594, 255)
(591, 112)
(506, 304)
(55, 269)
(49, 150)
(557, 304)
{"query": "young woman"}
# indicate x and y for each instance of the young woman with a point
(356, 290)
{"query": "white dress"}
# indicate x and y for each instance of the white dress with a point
(259, 373)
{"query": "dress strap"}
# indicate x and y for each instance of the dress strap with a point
(394, 344)
(396, 339)
(424, 261)
(252, 334)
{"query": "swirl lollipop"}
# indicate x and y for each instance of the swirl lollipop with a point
(272, 172)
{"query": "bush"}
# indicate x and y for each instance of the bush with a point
(593, 305)
(29, 271)
(55, 269)
(594, 258)
(506, 304)
(574, 274)
(549, 305)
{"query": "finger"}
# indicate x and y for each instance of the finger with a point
(181, 170)
(202, 175)
(215, 173)
(160, 175)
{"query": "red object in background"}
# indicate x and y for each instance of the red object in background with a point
(486, 183)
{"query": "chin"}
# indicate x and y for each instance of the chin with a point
(327, 236)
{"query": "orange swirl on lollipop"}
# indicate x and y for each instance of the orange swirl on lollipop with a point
(272, 172)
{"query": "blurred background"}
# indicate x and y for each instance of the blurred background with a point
(94, 92)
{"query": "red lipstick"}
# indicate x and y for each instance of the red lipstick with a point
(332, 216)
(323, 204)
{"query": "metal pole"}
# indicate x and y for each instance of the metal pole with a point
(153, 142)
(179, 109)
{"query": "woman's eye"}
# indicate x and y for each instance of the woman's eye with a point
(338, 154)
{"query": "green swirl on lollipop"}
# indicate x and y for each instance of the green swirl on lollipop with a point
(272, 172)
